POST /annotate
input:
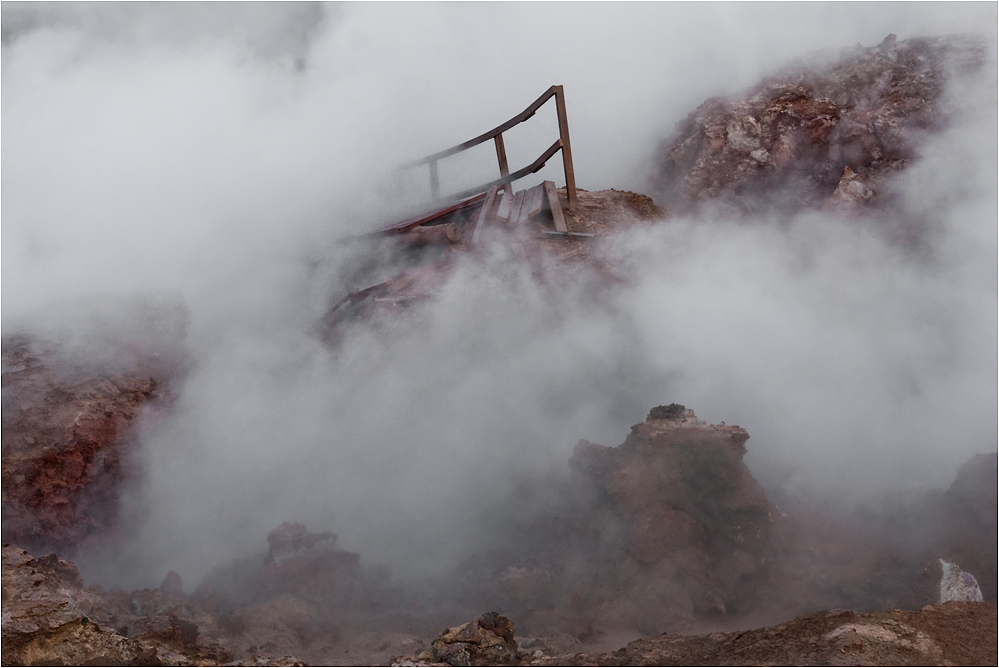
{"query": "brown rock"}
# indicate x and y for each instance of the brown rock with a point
(695, 522)
(77, 643)
(67, 447)
(49, 618)
(488, 641)
(821, 132)
(680, 482)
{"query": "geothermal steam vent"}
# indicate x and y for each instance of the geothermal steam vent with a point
(269, 401)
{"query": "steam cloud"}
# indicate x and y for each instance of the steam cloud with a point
(226, 151)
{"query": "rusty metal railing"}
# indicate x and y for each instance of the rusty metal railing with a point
(496, 134)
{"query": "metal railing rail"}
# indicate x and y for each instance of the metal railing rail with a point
(496, 134)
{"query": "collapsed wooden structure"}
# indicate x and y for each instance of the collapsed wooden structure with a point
(535, 212)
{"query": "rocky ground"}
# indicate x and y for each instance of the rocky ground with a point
(936, 635)
(668, 531)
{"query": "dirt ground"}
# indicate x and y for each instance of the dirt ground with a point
(951, 634)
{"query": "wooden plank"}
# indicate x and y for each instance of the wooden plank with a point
(533, 201)
(483, 216)
(555, 206)
(522, 214)
(501, 155)
(409, 223)
(518, 202)
(551, 234)
(503, 210)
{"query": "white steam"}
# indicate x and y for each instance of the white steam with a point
(152, 147)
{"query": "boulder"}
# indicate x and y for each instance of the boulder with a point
(488, 641)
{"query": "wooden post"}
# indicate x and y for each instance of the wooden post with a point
(563, 131)
(435, 183)
(501, 157)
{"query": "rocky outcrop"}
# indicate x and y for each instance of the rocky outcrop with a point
(260, 611)
(76, 380)
(665, 531)
(818, 135)
(690, 508)
(488, 641)
(681, 484)
(304, 597)
(49, 618)
(67, 444)
(674, 533)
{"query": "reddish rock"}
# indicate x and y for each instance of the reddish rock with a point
(680, 482)
(821, 133)
(66, 448)
(670, 528)
(50, 618)
(76, 378)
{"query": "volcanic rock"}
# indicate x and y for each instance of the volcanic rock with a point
(680, 485)
(818, 134)
(76, 381)
(956, 585)
(308, 566)
(49, 618)
(302, 597)
(66, 449)
(488, 641)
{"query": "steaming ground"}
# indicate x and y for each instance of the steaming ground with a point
(229, 162)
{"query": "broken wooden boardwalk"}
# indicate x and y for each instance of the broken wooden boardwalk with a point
(464, 223)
